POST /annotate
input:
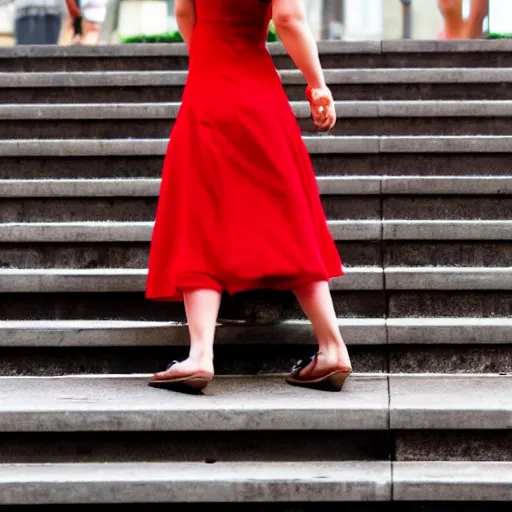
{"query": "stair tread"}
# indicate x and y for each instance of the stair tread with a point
(316, 144)
(357, 331)
(254, 482)
(195, 482)
(289, 77)
(81, 112)
(332, 185)
(96, 403)
(125, 402)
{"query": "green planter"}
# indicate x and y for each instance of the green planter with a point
(175, 37)
(494, 35)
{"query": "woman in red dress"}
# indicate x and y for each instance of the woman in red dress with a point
(239, 207)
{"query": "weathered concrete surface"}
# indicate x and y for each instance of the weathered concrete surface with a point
(450, 402)
(119, 231)
(134, 280)
(112, 333)
(194, 482)
(448, 278)
(230, 403)
(452, 481)
(453, 445)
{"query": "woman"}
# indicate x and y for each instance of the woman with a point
(455, 26)
(85, 20)
(239, 207)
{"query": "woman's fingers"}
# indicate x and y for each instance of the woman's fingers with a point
(322, 108)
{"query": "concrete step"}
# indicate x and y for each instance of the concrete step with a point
(324, 145)
(250, 482)
(92, 333)
(369, 208)
(471, 53)
(115, 232)
(357, 331)
(154, 120)
(355, 279)
(327, 185)
(133, 280)
(353, 158)
(199, 483)
(346, 84)
(331, 156)
(369, 402)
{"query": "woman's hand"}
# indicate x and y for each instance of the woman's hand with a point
(322, 107)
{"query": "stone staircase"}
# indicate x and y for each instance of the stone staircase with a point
(416, 183)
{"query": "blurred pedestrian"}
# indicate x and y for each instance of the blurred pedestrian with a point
(455, 26)
(37, 21)
(85, 20)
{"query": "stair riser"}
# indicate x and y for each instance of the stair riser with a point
(135, 255)
(160, 128)
(257, 306)
(424, 445)
(247, 359)
(396, 164)
(335, 207)
(341, 60)
(169, 93)
(242, 359)
(260, 307)
(144, 209)
(376, 254)
(185, 447)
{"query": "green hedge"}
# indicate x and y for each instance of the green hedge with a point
(175, 37)
(494, 35)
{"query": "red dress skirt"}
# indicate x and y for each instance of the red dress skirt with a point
(239, 207)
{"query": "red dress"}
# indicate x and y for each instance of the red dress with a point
(239, 207)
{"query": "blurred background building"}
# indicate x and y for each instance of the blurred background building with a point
(348, 20)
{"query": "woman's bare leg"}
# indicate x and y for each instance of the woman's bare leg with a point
(91, 32)
(479, 10)
(453, 22)
(202, 308)
(316, 301)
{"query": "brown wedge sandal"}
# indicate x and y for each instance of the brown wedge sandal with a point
(333, 381)
(189, 384)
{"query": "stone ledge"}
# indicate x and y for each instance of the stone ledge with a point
(324, 47)
(341, 230)
(126, 403)
(289, 77)
(112, 231)
(448, 278)
(120, 280)
(189, 482)
(452, 481)
(322, 144)
(450, 331)
(450, 402)
(356, 331)
(317, 144)
(112, 333)
(244, 482)
(167, 50)
(447, 230)
(301, 109)
(327, 185)
(446, 144)
(435, 46)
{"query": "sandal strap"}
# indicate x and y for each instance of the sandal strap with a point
(302, 363)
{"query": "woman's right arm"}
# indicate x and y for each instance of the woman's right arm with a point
(293, 29)
(185, 13)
